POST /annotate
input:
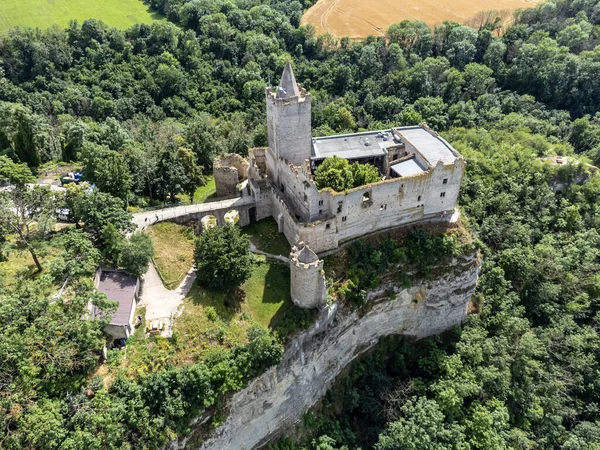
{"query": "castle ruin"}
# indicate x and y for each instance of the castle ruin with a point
(420, 176)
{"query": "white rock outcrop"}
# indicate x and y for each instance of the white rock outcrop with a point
(278, 399)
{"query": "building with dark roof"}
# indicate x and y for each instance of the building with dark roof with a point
(122, 288)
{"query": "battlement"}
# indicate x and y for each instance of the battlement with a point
(271, 94)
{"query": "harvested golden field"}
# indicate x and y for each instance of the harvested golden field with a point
(360, 18)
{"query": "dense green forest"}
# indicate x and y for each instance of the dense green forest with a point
(143, 112)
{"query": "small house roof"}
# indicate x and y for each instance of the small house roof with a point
(120, 287)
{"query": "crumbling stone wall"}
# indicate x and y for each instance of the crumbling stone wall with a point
(228, 171)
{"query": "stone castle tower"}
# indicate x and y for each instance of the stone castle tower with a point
(289, 119)
(308, 288)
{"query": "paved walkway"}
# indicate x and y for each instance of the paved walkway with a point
(162, 304)
(149, 217)
(281, 258)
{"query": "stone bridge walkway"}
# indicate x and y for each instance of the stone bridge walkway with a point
(143, 219)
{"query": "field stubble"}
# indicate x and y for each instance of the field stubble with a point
(360, 18)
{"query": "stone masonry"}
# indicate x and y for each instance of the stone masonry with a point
(308, 288)
(420, 180)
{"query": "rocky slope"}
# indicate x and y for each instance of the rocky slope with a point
(278, 399)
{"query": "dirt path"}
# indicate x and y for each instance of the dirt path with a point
(281, 258)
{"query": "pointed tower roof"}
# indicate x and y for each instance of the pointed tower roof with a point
(307, 256)
(287, 86)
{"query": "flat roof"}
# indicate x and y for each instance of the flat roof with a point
(373, 144)
(353, 146)
(407, 168)
(432, 147)
(120, 287)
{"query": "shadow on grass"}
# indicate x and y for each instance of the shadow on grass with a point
(265, 237)
(211, 198)
(277, 285)
(226, 304)
(154, 14)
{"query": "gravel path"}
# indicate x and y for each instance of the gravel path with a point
(160, 303)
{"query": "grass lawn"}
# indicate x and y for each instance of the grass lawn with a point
(45, 13)
(173, 251)
(265, 237)
(267, 293)
(203, 194)
(211, 320)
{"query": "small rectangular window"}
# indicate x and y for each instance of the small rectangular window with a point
(419, 198)
(328, 226)
(340, 206)
(320, 211)
(443, 194)
(383, 207)
(320, 202)
(344, 219)
(445, 181)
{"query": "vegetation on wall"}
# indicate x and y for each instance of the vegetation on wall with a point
(338, 174)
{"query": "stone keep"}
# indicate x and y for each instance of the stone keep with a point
(307, 280)
(289, 119)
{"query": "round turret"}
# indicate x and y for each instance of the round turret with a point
(307, 285)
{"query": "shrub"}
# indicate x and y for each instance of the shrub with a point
(338, 174)
(211, 314)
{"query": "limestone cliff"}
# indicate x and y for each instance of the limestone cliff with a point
(278, 399)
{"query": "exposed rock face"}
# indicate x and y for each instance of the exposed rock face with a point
(278, 399)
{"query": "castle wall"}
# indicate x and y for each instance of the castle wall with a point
(327, 218)
(228, 171)
(295, 183)
(263, 195)
(453, 174)
(286, 223)
(226, 181)
(321, 236)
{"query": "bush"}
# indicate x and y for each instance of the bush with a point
(211, 314)
(338, 174)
